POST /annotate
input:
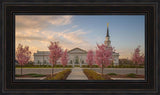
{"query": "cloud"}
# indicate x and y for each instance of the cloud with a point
(74, 26)
(31, 25)
(63, 20)
(33, 31)
(25, 20)
(74, 37)
(29, 38)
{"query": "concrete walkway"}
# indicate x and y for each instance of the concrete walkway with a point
(77, 74)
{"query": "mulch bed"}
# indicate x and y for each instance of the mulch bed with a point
(64, 78)
(49, 76)
(107, 77)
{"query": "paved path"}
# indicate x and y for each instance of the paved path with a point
(77, 74)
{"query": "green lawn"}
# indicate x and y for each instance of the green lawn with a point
(31, 75)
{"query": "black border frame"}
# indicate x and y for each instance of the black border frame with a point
(11, 8)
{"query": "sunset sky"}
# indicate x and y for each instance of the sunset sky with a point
(83, 31)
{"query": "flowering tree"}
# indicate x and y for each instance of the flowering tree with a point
(103, 57)
(55, 53)
(89, 59)
(22, 55)
(137, 58)
(64, 58)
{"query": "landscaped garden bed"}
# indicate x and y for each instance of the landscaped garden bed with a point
(93, 75)
(59, 76)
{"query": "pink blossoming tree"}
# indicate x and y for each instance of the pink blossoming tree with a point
(89, 59)
(64, 58)
(55, 54)
(137, 58)
(103, 57)
(23, 55)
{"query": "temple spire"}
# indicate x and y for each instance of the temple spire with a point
(107, 41)
(107, 30)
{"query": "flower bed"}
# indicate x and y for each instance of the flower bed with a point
(60, 76)
(92, 75)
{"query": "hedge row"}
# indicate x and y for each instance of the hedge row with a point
(125, 66)
(92, 75)
(61, 75)
(120, 66)
(87, 66)
(45, 66)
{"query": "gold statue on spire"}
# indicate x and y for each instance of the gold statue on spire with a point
(107, 24)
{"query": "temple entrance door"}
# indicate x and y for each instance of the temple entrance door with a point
(76, 61)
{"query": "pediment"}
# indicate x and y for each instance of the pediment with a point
(77, 50)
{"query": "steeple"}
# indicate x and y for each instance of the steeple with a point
(107, 30)
(107, 41)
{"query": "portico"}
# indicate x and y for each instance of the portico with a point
(77, 56)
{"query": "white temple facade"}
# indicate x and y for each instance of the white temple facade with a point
(77, 56)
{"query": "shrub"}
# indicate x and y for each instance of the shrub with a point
(95, 66)
(109, 66)
(69, 66)
(92, 75)
(125, 66)
(132, 75)
(17, 75)
(87, 66)
(61, 75)
(77, 66)
(112, 74)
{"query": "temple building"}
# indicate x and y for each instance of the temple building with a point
(77, 56)
(107, 42)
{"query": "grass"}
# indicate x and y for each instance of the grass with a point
(36, 75)
(112, 74)
(132, 75)
(31, 75)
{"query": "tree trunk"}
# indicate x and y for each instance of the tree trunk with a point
(52, 70)
(21, 69)
(102, 70)
(137, 69)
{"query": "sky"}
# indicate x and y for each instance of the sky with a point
(83, 31)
